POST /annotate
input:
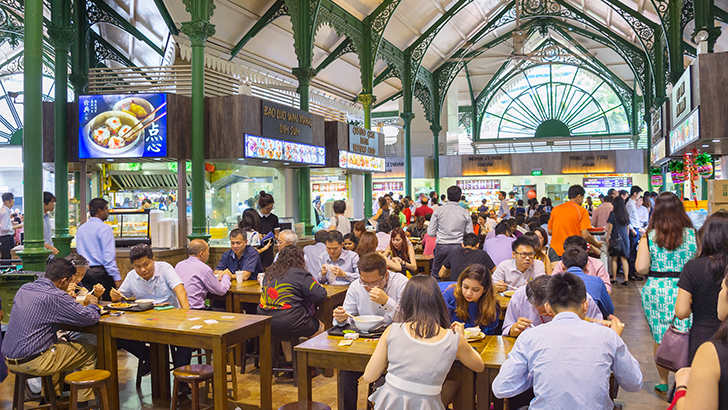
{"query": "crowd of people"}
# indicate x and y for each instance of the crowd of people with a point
(546, 258)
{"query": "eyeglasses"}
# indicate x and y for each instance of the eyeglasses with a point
(372, 284)
(526, 255)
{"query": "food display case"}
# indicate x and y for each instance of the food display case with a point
(475, 190)
(131, 226)
(73, 216)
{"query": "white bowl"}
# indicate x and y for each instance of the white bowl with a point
(367, 322)
(471, 332)
(145, 303)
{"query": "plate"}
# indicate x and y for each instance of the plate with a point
(509, 293)
(480, 336)
(121, 305)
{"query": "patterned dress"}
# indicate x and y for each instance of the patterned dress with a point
(659, 293)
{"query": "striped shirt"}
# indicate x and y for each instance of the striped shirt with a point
(39, 310)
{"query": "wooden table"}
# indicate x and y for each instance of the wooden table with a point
(172, 327)
(425, 262)
(494, 353)
(249, 292)
(324, 351)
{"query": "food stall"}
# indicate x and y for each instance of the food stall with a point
(392, 180)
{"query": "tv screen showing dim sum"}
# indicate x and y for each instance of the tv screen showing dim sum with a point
(122, 126)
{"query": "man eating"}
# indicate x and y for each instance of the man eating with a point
(516, 272)
(377, 292)
(338, 266)
(568, 361)
(198, 278)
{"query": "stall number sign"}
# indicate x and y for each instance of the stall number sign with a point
(286, 123)
(588, 162)
(364, 141)
(681, 98)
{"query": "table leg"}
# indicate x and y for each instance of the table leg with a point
(219, 379)
(326, 313)
(266, 369)
(340, 391)
(229, 302)
(304, 378)
(234, 307)
(160, 371)
(482, 390)
(498, 404)
(111, 364)
(465, 399)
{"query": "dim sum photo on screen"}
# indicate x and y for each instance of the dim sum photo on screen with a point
(122, 126)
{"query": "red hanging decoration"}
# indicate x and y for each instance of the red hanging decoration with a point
(691, 172)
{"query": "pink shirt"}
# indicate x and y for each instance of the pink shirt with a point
(600, 215)
(429, 244)
(594, 267)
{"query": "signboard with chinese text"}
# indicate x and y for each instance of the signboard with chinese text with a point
(364, 141)
(267, 148)
(681, 101)
(122, 126)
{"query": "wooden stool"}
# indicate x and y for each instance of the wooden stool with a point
(47, 389)
(305, 405)
(278, 352)
(89, 379)
(192, 374)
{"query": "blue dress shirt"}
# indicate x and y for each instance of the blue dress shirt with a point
(248, 261)
(568, 362)
(595, 287)
(95, 242)
(348, 262)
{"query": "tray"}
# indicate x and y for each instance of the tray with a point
(133, 308)
(373, 334)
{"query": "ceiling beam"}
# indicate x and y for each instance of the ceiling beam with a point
(276, 10)
(128, 26)
(407, 24)
(339, 51)
(168, 20)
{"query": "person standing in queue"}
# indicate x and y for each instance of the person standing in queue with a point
(448, 224)
(95, 242)
(7, 229)
(268, 223)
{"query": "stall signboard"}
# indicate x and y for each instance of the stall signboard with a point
(590, 162)
(686, 132)
(364, 141)
(267, 148)
(657, 124)
(681, 101)
(352, 160)
(389, 186)
(658, 152)
(122, 126)
(329, 187)
(486, 165)
(393, 168)
(286, 123)
(621, 182)
(478, 184)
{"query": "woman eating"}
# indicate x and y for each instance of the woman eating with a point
(400, 255)
(472, 300)
(351, 241)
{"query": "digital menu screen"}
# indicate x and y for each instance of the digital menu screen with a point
(685, 133)
(352, 160)
(478, 184)
(621, 182)
(267, 148)
(122, 126)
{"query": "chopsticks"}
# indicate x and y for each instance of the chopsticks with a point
(601, 321)
(353, 317)
(132, 130)
(124, 297)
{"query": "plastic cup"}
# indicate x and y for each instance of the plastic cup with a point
(261, 275)
(239, 276)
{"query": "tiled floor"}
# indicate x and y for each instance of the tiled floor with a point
(628, 308)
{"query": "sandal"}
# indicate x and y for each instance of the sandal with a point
(661, 388)
(625, 283)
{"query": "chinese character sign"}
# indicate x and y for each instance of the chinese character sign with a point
(122, 126)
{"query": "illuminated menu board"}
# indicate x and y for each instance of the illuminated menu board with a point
(478, 184)
(619, 182)
(685, 133)
(267, 148)
(351, 160)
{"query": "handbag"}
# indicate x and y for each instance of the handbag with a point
(672, 353)
(615, 245)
